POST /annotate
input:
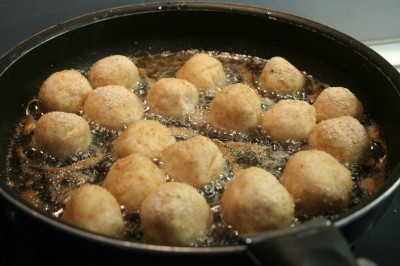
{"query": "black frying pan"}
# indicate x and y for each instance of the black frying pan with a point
(329, 55)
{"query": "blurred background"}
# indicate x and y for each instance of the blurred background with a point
(375, 23)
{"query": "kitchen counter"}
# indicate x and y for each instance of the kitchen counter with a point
(20, 19)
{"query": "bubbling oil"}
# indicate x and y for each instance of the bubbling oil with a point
(47, 182)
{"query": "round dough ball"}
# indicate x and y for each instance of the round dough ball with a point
(254, 201)
(203, 71)
(62, 134)
(335, 102)
(175, 214)
(317, 181)
(236, 107)
(172, 98)
(289, 119)
(112, 107)
(195, 161)
(343, 137)
(64, 91)
(93, 208)
(279, 77)
(114, 70)
(131, 179)
(147, 137)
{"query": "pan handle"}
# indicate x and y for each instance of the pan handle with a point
(312, 243)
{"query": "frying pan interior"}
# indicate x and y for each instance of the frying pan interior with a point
(328, 55)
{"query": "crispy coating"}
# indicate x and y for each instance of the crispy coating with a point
(289, 120)
(343, 137)
(317, 181)
(195, 161)
(64, 91)
(93, 208)
(203, 71)
(148, 137)
(175, 214)
(235, 108)
(280, 77)
(254, 201)
(62, 134)
(131, 179)
(335, 102)
(172, 98)
(112, 107)
(114, 70)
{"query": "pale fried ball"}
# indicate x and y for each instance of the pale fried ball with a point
(317, 181)
(112, 107)
(131, 179)
(64, 91)
(148, 137)
(236, 107)
(93, 208)
(195, 161)
(175, 214)
(62, 134)
(335, 102)
(280, 77)
(172, 98)
(254, 201)
(203, 71)
(343, 137)
(289, 120)
(114, 70)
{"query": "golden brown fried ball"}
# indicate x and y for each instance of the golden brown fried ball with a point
(62, 134)
(254, 201)
(148, 137)
(114, 70)
(172, 98)
(235, 108)
(131, 179)
(175, 214)
(93, 208)
(203, 71)
(280, 77)
(343, 137)
(112, 107)
(195, 161)
(289, 120)
(64, 91)
(317, 181)
(335, 102)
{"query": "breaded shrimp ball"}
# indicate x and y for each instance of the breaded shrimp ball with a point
(254, 201)
(112, 107)
(280, 77)
(195, 161)
(343, 137)
(203, 71)
(175, 214)
(289, 120)
(64, 91)
(148, 137)
(62, 134)
(172, 98)
(317, 181)
(131, 179)
(235, 108)
(114, 70)
(93, 208)
(335, 102)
